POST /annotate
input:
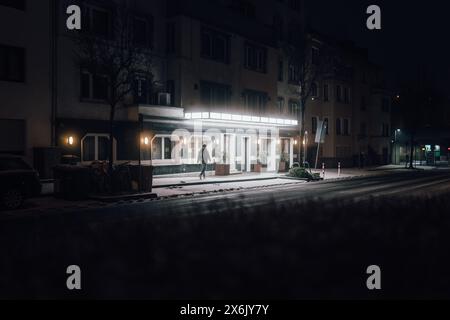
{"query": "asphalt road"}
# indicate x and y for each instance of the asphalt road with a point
(415, 183)
(147, 249)
(390, 184)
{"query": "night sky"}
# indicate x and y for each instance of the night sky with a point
(413, 35)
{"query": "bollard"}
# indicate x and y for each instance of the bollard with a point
(323, 171)
(339, 169)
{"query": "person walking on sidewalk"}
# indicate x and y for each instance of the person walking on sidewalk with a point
(204, 159)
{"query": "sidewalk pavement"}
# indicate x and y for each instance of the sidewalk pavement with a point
(186, 184)
(190, 179)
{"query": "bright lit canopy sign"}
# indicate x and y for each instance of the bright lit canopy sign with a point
(239, 118)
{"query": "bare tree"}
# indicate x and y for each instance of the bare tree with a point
(417, 107)
(308, 65)
(117, 58)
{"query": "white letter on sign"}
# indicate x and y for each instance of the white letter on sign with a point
(374, 21)
(74, 20)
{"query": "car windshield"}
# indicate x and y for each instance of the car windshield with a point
(7, 164)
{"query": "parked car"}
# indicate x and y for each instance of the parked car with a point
(18, 181)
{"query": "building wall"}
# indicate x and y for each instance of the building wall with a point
(28, 101)
(186, 67)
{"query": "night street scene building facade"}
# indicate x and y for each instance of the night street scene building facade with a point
(223, 149)
(232, 88)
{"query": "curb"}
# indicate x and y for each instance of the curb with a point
(212, 182)
(129, 197)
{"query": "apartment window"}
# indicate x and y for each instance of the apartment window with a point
(12, 64)
(255, 58)
(338, 93)
(295, 5)
(326, 96)
(215, 95)
(315, 56)
(255, 101)
(280, 70)
(143, 31)
(294, 108)
(293, 31)
(278, 27)
(141, 90)
(314, 90)
(314, 125)
(280, 105)
(346, 127)
(170, 37)
(97, 21)
(363, 129)
(170, 87)
(16, 4)
(338, 127)
(294, 73)
(244, 7)
(385, 105)
(95, 147)
(94, 87)
(162, 148)
(346, 95)
(215, 45)
(364, 77)
(363, 103)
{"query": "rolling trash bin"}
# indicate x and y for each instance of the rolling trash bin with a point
(72, 182)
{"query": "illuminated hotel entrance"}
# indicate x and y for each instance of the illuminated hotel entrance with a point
(243, 143)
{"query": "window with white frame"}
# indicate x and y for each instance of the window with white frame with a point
(346, 127)
(294, 108)
(94, 87)
(98, 20)
(163, 147)
(95, 147)
(314, 90)
(255, 58)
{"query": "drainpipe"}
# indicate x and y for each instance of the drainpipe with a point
(54, 67)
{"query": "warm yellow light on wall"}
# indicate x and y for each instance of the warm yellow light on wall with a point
(70, 140)
(146, 141)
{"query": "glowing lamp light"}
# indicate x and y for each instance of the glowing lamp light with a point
(70, 141)
(295, 142)
(238, 118)
(146, 141)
